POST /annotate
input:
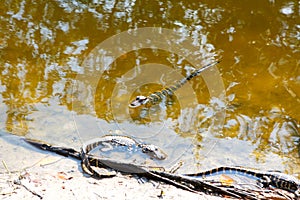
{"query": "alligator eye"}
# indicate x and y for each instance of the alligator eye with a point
(145, 150)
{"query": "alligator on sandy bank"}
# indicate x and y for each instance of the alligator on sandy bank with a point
(192, 182)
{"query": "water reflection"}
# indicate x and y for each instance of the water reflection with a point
(43, 45)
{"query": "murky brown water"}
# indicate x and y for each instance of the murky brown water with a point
(54, 87)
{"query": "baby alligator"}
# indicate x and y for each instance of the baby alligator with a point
(91, 162)
(189, 182)
(275, 179)
(88, 160)
(151, 150)
(157, 96)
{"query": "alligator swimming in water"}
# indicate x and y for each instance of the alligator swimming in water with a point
(168, 91)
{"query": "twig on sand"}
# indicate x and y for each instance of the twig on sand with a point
(10, 183)
(18, 182)
(5, 166)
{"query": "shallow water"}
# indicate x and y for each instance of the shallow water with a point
(60, 82)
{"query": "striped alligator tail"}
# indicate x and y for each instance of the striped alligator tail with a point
(266, 178)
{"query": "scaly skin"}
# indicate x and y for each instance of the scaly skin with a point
(157, 96)
(275, 179)
(152, 151)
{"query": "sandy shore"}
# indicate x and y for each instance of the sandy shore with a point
(28, 173)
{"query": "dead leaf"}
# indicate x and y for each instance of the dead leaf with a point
(48, 160)
(63, 176)
(226, 180)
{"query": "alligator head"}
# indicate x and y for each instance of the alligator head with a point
(138, 101)
(153, 151)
